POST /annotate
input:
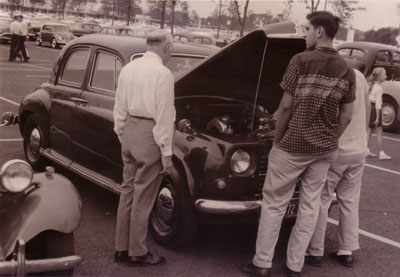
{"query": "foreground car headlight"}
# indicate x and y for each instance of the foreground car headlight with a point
(240, 161)
(16, 175)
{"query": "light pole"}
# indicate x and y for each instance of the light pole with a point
(326, 2)
(112, 21)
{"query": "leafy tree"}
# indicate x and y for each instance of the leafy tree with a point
(344, 9)
(38, 2)
(59, 6)
(382, 35)
(77, 5)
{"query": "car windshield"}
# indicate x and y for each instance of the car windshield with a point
(61, 29)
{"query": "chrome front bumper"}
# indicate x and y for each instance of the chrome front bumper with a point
(227, 207)
(21, 266)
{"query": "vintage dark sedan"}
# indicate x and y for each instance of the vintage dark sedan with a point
(366, 56)
(225, 129)
(84, 28)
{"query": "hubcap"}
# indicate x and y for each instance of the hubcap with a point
(165, 204)
(34, 141)
(387, 115)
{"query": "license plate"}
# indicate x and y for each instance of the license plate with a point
(291, 210)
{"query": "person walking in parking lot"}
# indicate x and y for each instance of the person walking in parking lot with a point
(344, 177)
(16, 30)
(22, 37)
(316, 107)
(378, 76)
(144, 116)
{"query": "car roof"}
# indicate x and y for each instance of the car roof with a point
(54, 24)
(127, 45)
(367, 45)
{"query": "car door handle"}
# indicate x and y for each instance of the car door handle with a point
(79, 101)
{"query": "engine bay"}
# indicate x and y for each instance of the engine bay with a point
(221, 117)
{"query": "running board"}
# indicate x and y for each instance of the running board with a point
(101, 181)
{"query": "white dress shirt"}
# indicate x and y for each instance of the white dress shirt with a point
(376, 96)
(16, 28)
(146, 88)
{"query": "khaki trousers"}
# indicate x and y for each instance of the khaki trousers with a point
(344, 175)
(284, 170)
(141, 180)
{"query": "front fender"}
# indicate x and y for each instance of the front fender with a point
(38, 102)
(54, 205)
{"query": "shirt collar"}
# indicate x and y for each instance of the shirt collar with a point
(327, 50)
(153, 56)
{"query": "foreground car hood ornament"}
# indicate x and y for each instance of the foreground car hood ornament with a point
(249, 69)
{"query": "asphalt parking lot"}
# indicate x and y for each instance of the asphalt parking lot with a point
(216, 250)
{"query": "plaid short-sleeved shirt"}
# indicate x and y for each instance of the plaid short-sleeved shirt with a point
(319, 82)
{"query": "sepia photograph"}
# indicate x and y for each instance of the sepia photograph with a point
(200, 138)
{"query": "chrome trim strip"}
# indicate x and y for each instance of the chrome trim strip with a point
(84, 175)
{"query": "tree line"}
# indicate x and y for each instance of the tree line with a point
(230, 15)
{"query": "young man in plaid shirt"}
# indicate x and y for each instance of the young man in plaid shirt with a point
(316, 107)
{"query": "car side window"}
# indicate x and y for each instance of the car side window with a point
(75, 67)
(396, 57)
(207, 41)
(105, 72)
(184, 39)
(382, 57)
(357, 53)
(344, 52)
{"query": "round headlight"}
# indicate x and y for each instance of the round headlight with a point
(240, 161)
(16, 175)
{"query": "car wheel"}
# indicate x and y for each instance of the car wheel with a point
(172, 220)
(54, 43)
(52, 244)
(38, 41)
(390, 110)
(34, 138)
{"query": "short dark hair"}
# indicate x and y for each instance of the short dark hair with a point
(326, 20)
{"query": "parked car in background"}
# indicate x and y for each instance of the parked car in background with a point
(33, 29)
(5, 33)
(195, 37)
(117, 30)
(84, 28)
(126, 31)
(54, 34)
(224, 126)
(39, 213)
(365, 56)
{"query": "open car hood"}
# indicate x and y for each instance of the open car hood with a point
(249, 69)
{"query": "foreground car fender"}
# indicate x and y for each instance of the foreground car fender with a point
(54, 204)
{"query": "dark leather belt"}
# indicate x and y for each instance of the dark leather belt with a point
(141, 117)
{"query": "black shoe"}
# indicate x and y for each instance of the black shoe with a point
(291, 273)
(254, 271)
(345, 260)
(148, 259)
(120, 256)
(313, 260)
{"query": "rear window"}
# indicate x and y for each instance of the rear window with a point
(178, 64)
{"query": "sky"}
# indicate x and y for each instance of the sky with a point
(378, 13)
